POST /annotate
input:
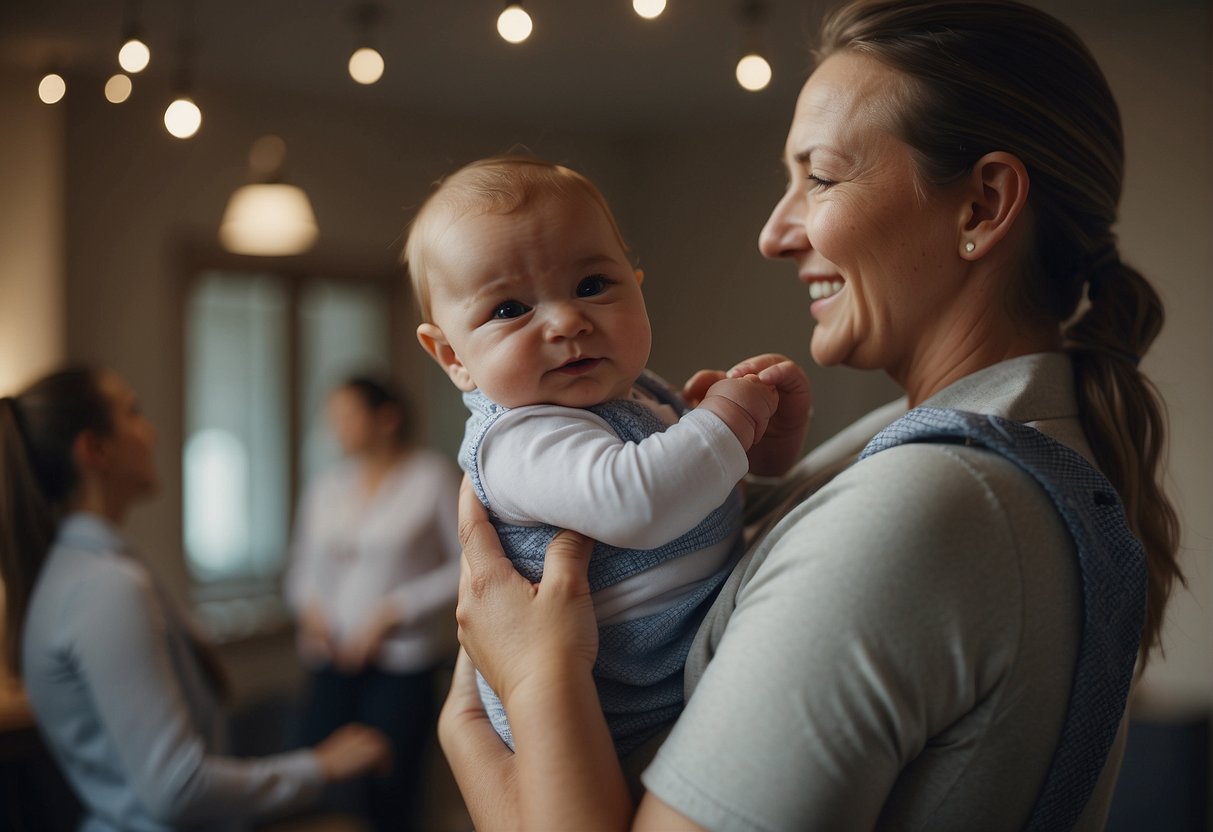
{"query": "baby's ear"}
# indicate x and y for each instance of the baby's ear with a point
(434, 342)
(639, 277)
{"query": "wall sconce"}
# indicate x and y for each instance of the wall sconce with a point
(753, 70)
(268, 217)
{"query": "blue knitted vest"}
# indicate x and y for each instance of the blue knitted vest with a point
(1112, 565)
(640, 661)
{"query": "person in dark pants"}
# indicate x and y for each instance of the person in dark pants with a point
(373, 578)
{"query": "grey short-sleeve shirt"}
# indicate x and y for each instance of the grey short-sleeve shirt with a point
(896, 653)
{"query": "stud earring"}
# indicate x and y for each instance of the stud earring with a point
(970, 247)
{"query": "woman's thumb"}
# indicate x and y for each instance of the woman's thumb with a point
(567, 562)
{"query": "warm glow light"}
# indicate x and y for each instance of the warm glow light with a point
(514, 24)
(753, 72)
(52, 88)
(648, 9)
(117, 88)
(366, 65)
(182, 118)
(134, 55)
(270, 219)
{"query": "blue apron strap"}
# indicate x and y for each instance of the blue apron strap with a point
(1112, 565)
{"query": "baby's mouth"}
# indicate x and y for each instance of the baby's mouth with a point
(578, 365)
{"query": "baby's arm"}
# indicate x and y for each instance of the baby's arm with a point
(568, 468)
(773, 452)
(744, 403)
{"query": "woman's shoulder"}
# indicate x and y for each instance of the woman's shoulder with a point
(78, 589)
(932, 515)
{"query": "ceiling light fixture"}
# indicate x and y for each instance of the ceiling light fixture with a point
(366, 64)
(514, 24)
(648, 9)
(268, 217)
(753, 70)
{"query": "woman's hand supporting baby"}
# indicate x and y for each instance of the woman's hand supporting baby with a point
(765, 401)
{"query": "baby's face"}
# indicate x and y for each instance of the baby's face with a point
(540, 306)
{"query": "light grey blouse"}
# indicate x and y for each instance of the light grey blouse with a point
(119, 694)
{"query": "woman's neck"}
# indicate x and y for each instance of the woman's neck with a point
(91, 498)
(378, 462)
(968, 344)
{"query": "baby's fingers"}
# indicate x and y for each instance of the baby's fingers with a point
(697, 385)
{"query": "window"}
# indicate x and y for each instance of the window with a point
(262, 350)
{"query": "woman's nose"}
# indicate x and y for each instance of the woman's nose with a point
(784, 234)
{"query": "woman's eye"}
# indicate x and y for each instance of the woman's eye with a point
(510, 309)
(595, 284)
(818, 182)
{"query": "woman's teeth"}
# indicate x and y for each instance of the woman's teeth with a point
(824, 288)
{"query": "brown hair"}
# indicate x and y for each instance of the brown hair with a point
(983, 75)
(376, 393)
(37, 477)
(496, 185)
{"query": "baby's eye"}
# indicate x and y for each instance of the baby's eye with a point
(510, 309)
(595, 284)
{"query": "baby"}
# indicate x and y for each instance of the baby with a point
(531, 305)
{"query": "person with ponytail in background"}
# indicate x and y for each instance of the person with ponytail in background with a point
(126, 691)
(939, 625)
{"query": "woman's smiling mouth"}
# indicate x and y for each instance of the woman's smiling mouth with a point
(820, 289)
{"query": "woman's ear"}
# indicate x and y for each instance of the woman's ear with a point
(434, 342)
(996, 195)
(640, 276)
(89, 451)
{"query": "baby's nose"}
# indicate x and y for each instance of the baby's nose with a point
(566, 320)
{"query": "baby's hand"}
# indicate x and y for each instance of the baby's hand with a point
(745, 404)
(784, 438)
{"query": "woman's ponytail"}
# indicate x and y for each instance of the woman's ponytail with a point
(38, 476)
(27, 528)
(1124, 418)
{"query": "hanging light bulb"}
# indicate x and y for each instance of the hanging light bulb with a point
(117, 88)
(52, 88)
(134, 55)
(268, 217)
(182, 118)
(366, 64)
(648, 9)
(753, 72)
(514, 24)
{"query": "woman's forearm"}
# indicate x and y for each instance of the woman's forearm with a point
(568, 774)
